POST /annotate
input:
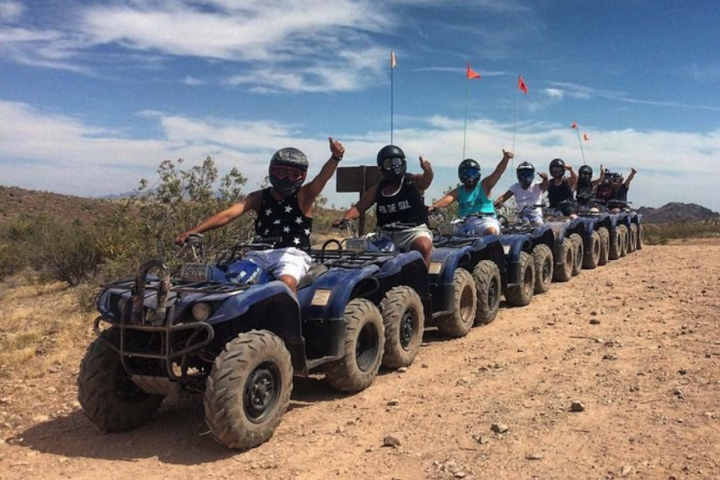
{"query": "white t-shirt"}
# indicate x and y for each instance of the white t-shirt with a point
(531, 196)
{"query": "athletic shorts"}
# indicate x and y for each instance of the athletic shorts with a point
(477, 225)
(534, 218)
(403, 239)
(281, 261)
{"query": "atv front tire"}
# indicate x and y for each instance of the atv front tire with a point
(488, 285)
(404, 320)
(521, 293)
(592, 254)
(544, 264)
(461, 320)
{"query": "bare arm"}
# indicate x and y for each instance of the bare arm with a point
(630, 177)
(247, 204)
(447, 200)
(572, 181)
(491, 180)
(309, 192)
(545, 181)
(504, 197)
(366, 201)
(423, 180)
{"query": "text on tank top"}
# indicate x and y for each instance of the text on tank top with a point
(406, 205)
(283, 219)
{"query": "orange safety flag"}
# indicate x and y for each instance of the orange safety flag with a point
(521, 85)
(574, 125)
(585, 137)
(471, 73)
(393, 63)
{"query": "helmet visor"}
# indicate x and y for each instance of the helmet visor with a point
(392, 163)
(557, 171)
(526, 175)
(283, 172)
(470, 173)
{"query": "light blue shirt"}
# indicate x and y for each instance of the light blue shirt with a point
(473, 202)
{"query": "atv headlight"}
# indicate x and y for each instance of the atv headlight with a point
(321, 297)
(201, 311)
(435, 268)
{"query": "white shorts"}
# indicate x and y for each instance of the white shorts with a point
(403, 239)
(477, 225)
(281, 261)
(533, 217)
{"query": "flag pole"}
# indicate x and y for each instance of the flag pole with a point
(467, 90)
(582, 152)
(517, 102)
(392, 94)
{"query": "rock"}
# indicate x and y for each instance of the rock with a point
(394, 402)
(594, 321)
(577, 406)
(609, 356)
(390, 441)
(402, 370)
(425, 365)
(534, 456)
(41, 418)
(594, 313)
(499, 428)
(481, 439)
(682, 371)
(626, 470)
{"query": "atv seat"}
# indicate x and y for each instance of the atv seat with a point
(316, 269)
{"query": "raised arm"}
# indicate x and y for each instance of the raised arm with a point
(572, 181)
(366, 201)
(491, 180)
(247, 204)
(545, 181)
(310, 191)
(423, 180)
(630, 177)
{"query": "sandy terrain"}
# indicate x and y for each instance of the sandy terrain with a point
(636, 342)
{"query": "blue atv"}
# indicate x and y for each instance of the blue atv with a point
(585, 235)
(400, 289)
(229, 331)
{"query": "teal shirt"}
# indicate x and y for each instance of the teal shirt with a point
(473, 202)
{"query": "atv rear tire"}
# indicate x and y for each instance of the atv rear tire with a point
(616, 246)
(521, 293)
(106, 393)
(640, 237)
(364, 346)
(604, 235)
(592, 254)
(544, 263)
(404, 320)
(564, 273)
(623, 235)
(633, 238)
(248, 390)
(579, 248)
(461, 320)
(488, 284)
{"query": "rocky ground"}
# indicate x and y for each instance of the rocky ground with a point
(614, 374)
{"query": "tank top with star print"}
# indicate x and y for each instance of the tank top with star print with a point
(283, 219)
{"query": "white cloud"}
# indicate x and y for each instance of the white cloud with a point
(11, 11)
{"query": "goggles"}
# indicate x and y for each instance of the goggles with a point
(392, 163)
(555, 171)
(288, 173)
(471, 172)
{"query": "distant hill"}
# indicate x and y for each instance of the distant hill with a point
(677, 212)
(16, 201)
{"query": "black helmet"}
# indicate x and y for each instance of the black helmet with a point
(525, 174)
(585, 176)
(469, 172)
(557, 168)
(392, 163)
(288, 169)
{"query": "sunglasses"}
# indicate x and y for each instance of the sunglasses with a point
(394, 162)
(288, 173)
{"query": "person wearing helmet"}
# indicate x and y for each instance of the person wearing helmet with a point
(586, 186)
(561, 189)
(284, 211)
(473, 196)
(614, 190)
(399, 200)
(528, 193)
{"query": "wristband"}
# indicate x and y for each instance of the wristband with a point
(336, 158)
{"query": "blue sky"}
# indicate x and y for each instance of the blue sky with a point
(95, 94)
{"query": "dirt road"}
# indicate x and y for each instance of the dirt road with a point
(635, 343)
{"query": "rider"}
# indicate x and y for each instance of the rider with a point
(586, 185)
(399, 199)
(283, 210)
(473, 195)
(528, 193)
(614, 190)
(561, 189)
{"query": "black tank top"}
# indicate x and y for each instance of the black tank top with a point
(558, 193)
(283, 219)
(584, 193)
(405, 206)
